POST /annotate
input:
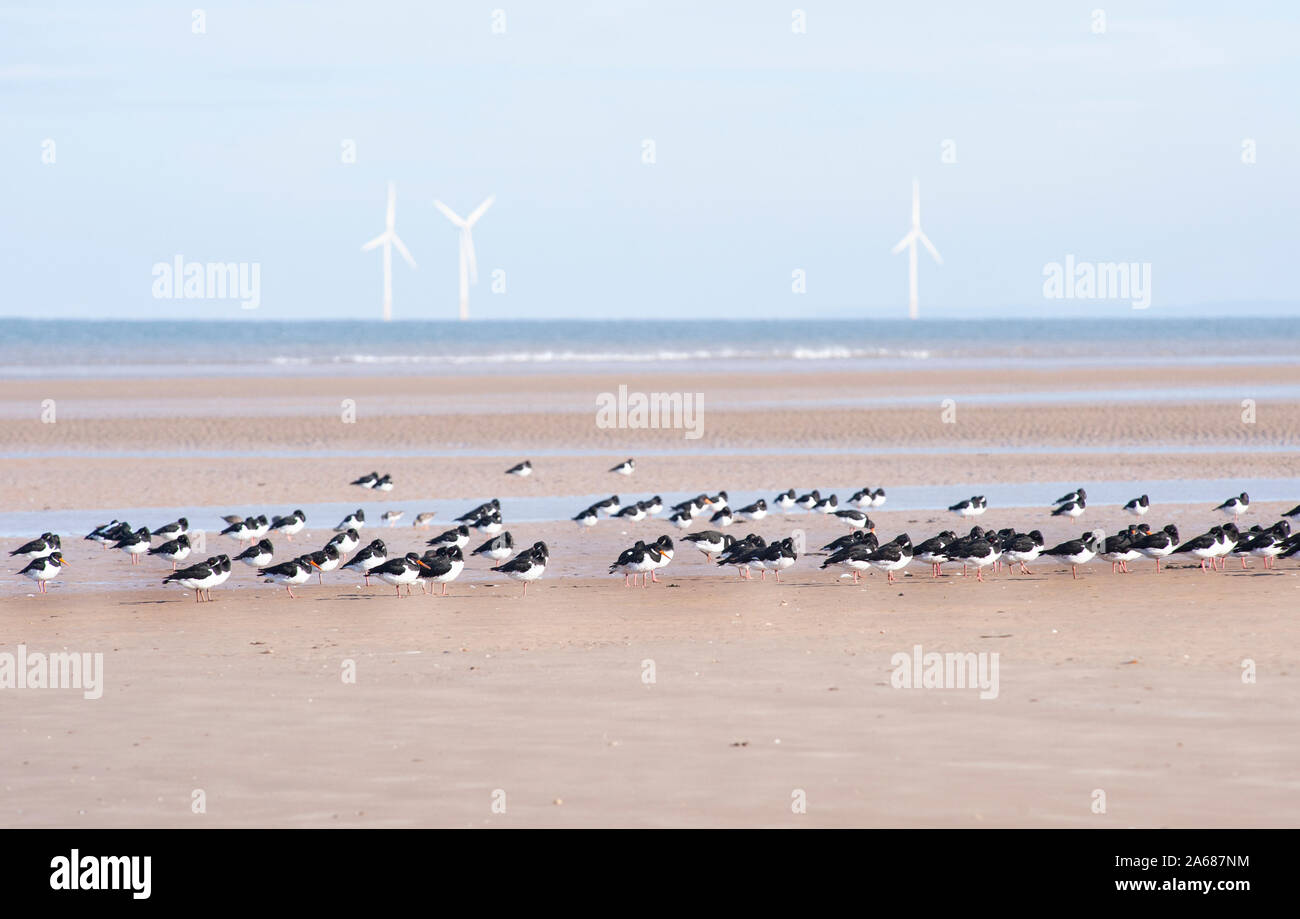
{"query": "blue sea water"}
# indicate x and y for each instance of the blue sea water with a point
(50, 348)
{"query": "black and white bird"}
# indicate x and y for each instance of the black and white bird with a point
(241, 530)
(785, 500)
(861, 498)
(134, 544)
(1023, 548)
(878, 497)
(404, 570)
(892, 556)
(1077, 495)
(634, 512)
(497, 548)
(489, 524)
(41, 546)
(692, 507)
(852, 538)
(1268, 544)
(637, 560)
(383, 483)
(809, 501)
(294, 571)
(1294, 512)
(682, 520)
(174, 550)
(855, 519)
(1138, 506)
(827, 505)
(353, 521)
(201, 577)
(178, 527)
(325, 559)
(442, 566)
(261, 526)
(483, 510)
(262, 553)
(456, 536)
(723, 518)
(1076, 552)
(527, 566)
(971, 507)
(855, 558)
(718, 501)
(367, 481)
(710, 542)
(289, 524)
(1159, 544)
(1235, 507)
(108, 533)
(1120, 549)
(753, 512)
(43, 569)
(523, 470)
(777, 557)
(931, 551)
(743, 554)
(609, 507)
(1207, 547)
(372, 556)
(1072, 508)
(654, 506)
(587, 517)
(627, 467)
(663, 546)
(347, 541)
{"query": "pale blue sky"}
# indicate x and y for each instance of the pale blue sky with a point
(775, 151)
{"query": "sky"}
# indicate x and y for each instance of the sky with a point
(1037, 132)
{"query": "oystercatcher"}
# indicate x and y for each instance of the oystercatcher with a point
(483, 510)
(290, 524)
(971, 507)
(1294, 512)
(855, 558)
(931, 551)
(261, 554)
(978, 551)
(372, 556)
(41, 546)
(861, 497)
(857, 520)
(134, 544)
(634, 512)
(200, 578)
(442, 566)
(294, 571)
(723, 518)
(1138, 506)
(108, 533)
(827, 505)
(609, 507)
(457, 536)
(1119, 550)
(682, 520)
(1077, 495)
(367, 481)
(1235, 507)
(753, 512)
(497, 548)
(878, 497)
(1270, 543)
(587, 518)
(1158, 545)
(1072, 508)
(1076, 552)
(785, 500)
(399, 571)
(178, 527)
(777, 557)
(523, 470)
(326, 559)
(175, 550)
(710, 542)
(43, 569)
(892, 556)
(346, 541)
(854, 538)
(528, 565)
(809, 501)
(639, 559)
(242, 530)
(627, 467)
(353, 521)
(261, 526)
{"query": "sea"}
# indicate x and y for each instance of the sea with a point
(68, 348)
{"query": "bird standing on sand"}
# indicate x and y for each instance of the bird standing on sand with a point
(178, 527)
(1158, 545)
(1076, 552)
(294, 571)
(290, 524)
(710, 542)
(399, 571)
(1072, 508)
(528, 565)
(353, 521)
(175, 550)
(1235, 507)
(44, 569)
(1138, 506)
(497, 548)
(261, 554)
(523, 470)
(627, 467)
(442, 566)
(971, 507)
(134, 544)
(372, 556)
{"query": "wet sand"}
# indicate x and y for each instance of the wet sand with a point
(1131, 684)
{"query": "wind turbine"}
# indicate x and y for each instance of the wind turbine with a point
(909, 242)
(468, 263)
(388, 239)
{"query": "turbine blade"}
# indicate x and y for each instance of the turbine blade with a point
(925, 241)
(449, 214)
(480, 210)
(401, 247)
(904, 242)
(374, 242)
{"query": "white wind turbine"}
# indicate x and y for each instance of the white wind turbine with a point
(388, 239)
(468, 263)
(909, 242)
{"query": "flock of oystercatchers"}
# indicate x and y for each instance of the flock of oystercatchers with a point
(855, 553)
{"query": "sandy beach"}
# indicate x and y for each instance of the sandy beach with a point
(761, 693)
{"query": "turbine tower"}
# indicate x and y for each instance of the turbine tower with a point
(388, 239)
(468, 263)
(909, 242)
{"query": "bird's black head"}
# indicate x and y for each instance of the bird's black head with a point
(378, 546)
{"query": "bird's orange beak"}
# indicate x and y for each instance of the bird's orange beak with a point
(312, 563)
